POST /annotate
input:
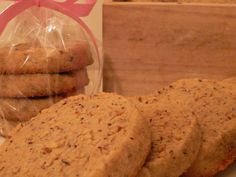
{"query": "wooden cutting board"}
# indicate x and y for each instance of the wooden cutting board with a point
(149, 45)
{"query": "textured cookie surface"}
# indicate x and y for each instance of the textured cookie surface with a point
(33, 85)
(230, 84)
(213, 103)
(25, 59)
(99, 136)
(176, 136)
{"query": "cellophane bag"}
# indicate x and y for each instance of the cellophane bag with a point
(45, 56)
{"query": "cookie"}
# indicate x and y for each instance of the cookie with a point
(25, 59)
(6, 127)
(176, 135)
(14, 111)
(37, 85)
(23, 109)
(86, 136)
(230, 84)
(213, 103)
(231, 80)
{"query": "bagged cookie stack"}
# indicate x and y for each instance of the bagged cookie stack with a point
(45, 56)
(34, 77)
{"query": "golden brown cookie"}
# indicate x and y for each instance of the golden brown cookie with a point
(37, 85)
(26, 59)
(86, 136)
(18, 110)
(23, 109)
(213, 103)
(176, 135)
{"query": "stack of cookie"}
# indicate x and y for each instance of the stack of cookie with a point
(33, 78)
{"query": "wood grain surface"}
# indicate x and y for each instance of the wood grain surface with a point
(180, 1)
(149, 45)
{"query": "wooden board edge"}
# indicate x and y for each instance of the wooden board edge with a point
(110, 3)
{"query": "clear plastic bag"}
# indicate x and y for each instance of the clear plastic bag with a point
(44, 57)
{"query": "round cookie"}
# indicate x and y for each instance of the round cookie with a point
(176, 136)
(25, 59)
(213, 103)
(86, 136)
(23, 109)
(35, 85)
(14, 111)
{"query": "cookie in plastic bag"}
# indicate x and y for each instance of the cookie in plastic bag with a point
(45, 56)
